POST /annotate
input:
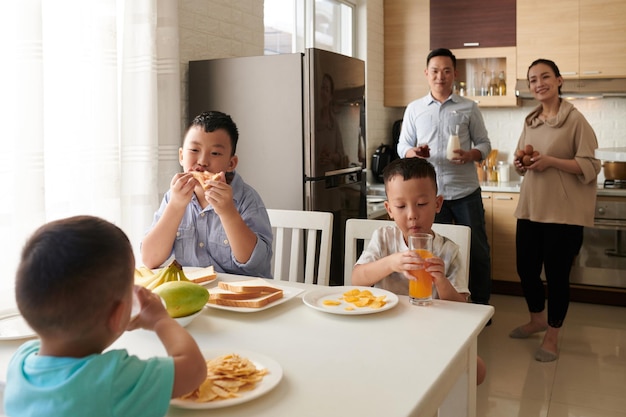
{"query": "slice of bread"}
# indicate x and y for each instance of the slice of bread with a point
(255, 302)
(203, 176)
(249, 286)
(201, 275)
(223, 294)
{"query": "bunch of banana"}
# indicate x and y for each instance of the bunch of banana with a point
(146, 278)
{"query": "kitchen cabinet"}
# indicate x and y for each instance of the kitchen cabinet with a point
(470, 63)
(407, 43)
(472, 23)
(501, 224)
(406, 46)
(584, 37)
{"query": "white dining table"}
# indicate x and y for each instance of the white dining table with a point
(405, 361)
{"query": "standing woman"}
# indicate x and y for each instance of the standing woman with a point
(557, 199)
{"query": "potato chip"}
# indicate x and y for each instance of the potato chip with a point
(358, 298)
(227, 376)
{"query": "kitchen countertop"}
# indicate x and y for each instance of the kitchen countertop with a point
(376, 194)
(611, 154)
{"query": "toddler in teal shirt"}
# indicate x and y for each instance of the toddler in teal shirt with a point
(74, 287)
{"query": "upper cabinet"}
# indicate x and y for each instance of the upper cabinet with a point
(458, 24)
(481, 71)
(406, 48)
(585, 38)
(408, 41)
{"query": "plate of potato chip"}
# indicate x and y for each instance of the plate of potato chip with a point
(234, 377)
(350, 300)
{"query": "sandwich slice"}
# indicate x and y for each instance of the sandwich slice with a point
(201, 275)
(250, 301)
(252, 293)
(203, 176)
(249, 286)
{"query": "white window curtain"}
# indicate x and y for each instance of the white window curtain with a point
(89, 114)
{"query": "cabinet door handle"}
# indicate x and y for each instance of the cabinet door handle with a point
(592, 72)
(471, 43)
(569, 73)
(486, 197)
(504, 198)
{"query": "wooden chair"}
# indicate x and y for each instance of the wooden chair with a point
(296, 233)
(362, 230)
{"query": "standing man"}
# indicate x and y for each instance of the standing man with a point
(426, 127)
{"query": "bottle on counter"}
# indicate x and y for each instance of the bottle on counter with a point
(501, 84)
(493, 84)
(503, 172)
(484, 83)
(492, 175)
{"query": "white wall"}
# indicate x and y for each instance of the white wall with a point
(217, 29)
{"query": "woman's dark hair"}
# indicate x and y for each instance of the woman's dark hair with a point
(441, 52)
(211, 121)
(71, 272)
(547, 62)
(409, 168)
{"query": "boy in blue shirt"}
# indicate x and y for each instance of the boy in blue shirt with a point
(74, 287)
(226, 225)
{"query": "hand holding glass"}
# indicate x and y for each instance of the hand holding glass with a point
(421, 287)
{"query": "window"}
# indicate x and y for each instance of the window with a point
(287, 27)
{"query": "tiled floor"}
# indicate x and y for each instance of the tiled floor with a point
(587, 380)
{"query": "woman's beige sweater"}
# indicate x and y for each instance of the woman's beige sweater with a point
(555, 196)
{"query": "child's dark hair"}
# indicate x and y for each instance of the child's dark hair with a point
(211, 121)
(547, 62)
(71, 273)
(409, 168)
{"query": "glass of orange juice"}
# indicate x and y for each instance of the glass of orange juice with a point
(421, 287)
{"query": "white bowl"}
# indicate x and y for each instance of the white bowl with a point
(184, 321)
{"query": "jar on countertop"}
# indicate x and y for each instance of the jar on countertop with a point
(503, 172)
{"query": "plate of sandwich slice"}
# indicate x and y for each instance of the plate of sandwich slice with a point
(248, 296)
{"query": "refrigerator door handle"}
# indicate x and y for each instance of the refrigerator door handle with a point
(343, 171)
(335, 173)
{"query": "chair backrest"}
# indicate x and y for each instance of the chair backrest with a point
(299, 230)
(462, 236)
(358, 230)
(362, 230)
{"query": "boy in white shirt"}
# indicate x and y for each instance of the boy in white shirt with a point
(412, 202)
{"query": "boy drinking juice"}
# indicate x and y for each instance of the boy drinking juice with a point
(388, 263)
(412, 203)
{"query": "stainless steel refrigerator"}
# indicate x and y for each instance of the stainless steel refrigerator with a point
(301, 120)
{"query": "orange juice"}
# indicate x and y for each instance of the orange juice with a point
(422, 286)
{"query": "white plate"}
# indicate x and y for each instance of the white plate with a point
(288, 293)
(268, 382)
(13, 326)
(315, 299)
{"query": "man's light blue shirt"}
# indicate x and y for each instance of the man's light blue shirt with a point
(201, 240)
(427, 121)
